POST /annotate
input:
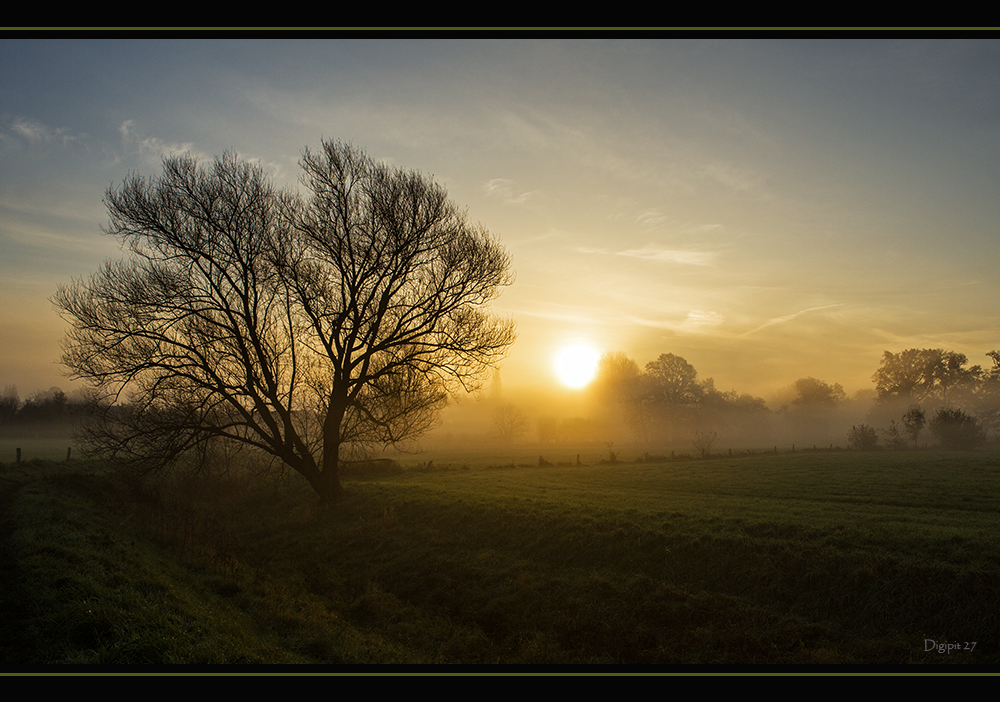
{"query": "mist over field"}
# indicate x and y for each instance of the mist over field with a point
(808, 413)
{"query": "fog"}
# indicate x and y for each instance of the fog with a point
(634, 413)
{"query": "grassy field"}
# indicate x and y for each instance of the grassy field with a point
(798, 558)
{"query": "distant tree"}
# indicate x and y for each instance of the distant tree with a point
(955, 429)
(994, 372)
(299, 327)
(922, 374)
(986, 402)
(670, 393)
(509, 422)
(9, 404)
(618, 387)
(740, 416)
(862, 438)
(673, 382)
(815, 394)
(907, 375)
(913, 422)
(45, 406)
(703, 442)
(894, 436)
(616, 377)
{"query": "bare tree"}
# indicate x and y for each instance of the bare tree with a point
(703, 442)
(301, 327)
(509, 421)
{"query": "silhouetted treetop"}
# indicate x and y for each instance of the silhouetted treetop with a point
(920, 374)
(814, 394)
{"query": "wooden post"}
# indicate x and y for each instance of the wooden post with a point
(69, 452)
(19, 455)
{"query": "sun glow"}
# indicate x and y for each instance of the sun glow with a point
(576, 364)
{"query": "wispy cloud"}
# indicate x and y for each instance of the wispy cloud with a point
(35, 132)
(655, 253)
(696, 322)
(152, 148)
(651, 218)
(561, 316)
(741, 180)
(702, 320)
(503, 188)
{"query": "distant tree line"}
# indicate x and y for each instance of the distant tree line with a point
(48, 406)
(915, 389)
(667, 403)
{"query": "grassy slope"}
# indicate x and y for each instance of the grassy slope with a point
(796, 558)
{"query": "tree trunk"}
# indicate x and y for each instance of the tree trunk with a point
(330, 488)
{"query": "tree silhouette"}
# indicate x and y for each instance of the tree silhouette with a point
(913, 422)
(618, 387)
(815, 394)
(921, 374)
(509, 421)
(670, 393)
(673, 382)
(9, 404)
(300, 327)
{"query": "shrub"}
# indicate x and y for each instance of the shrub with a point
(862, 438)
(955, 429)
(893, 436)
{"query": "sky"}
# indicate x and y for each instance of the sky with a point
(768, 209)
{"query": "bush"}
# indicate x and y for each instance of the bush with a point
(955, 429)
(893, 436)
(862, 438)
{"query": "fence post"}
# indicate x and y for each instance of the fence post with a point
(69, 452)
(19, 455)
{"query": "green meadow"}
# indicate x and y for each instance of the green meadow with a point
(834, 557)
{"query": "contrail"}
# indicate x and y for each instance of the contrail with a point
(788, 317)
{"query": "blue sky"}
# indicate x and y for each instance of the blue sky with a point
(767, 209)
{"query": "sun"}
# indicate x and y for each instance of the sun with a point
(576, 364)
